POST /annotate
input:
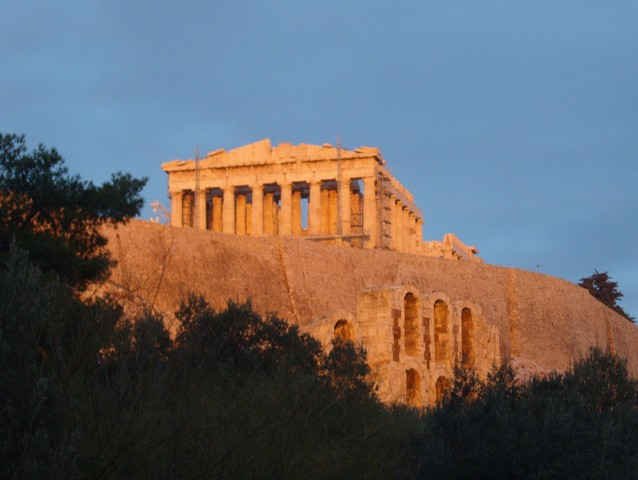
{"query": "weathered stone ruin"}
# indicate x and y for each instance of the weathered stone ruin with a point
(413, 305)
(321, 193)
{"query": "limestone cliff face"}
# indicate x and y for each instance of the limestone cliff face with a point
(539, 322)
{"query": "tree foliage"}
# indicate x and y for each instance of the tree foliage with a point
(56, 216)
(49, 342)
(88, 393)
(241, 338)
(579, 424)
(601, 286)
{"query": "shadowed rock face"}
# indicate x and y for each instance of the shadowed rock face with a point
(416, 315)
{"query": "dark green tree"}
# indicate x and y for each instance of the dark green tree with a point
(49, 343)
(582, 423)
(601, 286)
(56, 216)
(240, 338)
(347, 370)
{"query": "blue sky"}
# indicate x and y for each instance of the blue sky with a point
(515, 124)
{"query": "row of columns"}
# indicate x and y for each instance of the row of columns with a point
(276, 209)
(407, 227)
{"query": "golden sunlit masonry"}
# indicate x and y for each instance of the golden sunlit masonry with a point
(319, 192)
(329, 240)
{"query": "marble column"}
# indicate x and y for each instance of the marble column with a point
(370, 217)
(240, 214)
(285, 215)
(176, 209)
(258, 210)
(405, 236)
(409, 230)
(396, 243)
(356, 213)
(406, 229)
(200, 209)
(412, 231)
(276, 213)
(295, 210)
(249, 217)
(344, 206)
(333, 205)
(209, 212)
(325, 211)
(218, 214)
(228, 220)
(188, 198)
(269, 214)
(314, 208)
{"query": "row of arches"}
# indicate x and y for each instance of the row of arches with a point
(444, 350)
(413, 390)
(423, 334)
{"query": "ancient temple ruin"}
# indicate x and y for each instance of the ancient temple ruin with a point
(417, 316)
(319, 192)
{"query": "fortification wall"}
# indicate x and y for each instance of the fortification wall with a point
(543, 323)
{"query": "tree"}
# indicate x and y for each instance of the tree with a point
(582, 423)
(346, 369)
(56, 216)
(49, 342)
(601, 286)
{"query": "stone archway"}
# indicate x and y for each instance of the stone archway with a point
(343, 330)
(411, 323)
(413, 388)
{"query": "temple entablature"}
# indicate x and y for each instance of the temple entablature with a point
(319, 192)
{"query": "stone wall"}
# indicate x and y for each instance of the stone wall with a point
(539, 322)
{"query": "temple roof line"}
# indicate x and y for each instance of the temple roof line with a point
(262, 152)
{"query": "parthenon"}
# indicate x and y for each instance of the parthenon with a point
(319, 192)
(261, 216)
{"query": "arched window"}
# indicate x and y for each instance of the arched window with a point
(411, 323)
(443, 387)
(467, 338)
(441, 329)
(412, 388)
(343, 330)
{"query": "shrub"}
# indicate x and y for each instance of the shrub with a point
(579, 424)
